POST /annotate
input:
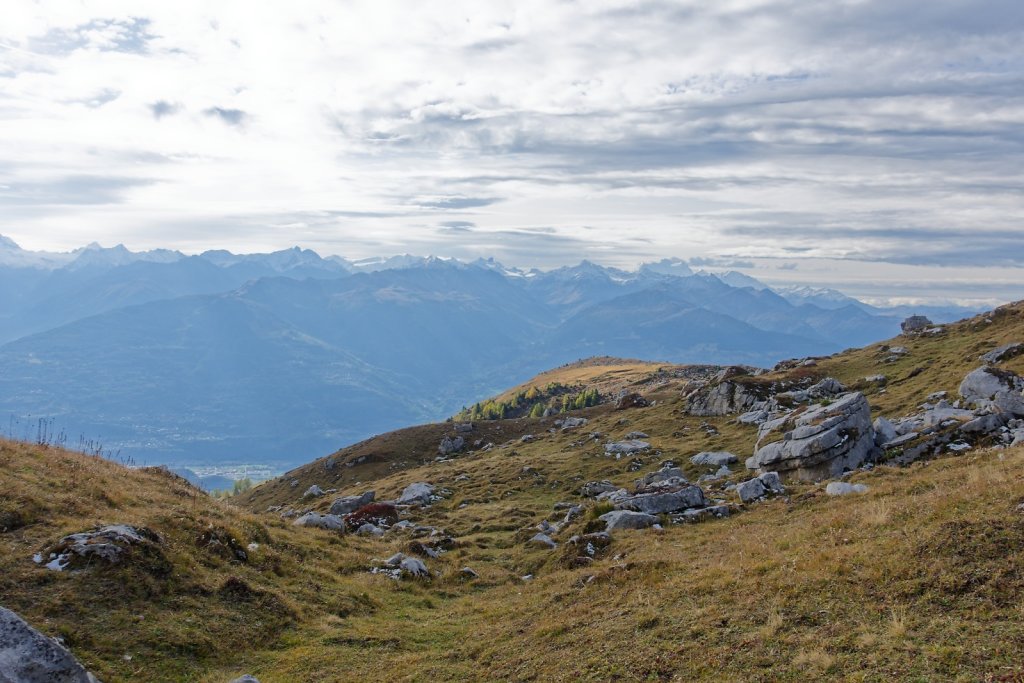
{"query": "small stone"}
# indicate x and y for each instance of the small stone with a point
(751, 490)
(843, 488)
(543, 540)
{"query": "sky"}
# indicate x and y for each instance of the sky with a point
(873, 146)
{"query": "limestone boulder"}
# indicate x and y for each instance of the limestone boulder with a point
(820, 442)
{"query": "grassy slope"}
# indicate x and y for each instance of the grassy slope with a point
(919, 579)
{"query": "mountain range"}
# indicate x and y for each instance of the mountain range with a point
(283, 356)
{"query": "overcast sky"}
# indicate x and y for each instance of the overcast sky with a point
(874, 145)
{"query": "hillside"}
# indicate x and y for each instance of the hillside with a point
(276, 358)
(918, 578)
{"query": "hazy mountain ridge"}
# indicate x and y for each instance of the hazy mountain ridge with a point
(212, 356)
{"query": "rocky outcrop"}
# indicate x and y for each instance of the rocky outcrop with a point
(723, 398)
(1004, 352)
(662, 502)
(915, 323)
(1000, 389)
(714, 459)
(347, 504)
(818, 443)
(449, 445)
(627, 519)
(669, 476)
(27, 656)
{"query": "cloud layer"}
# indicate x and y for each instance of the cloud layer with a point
(538, 132)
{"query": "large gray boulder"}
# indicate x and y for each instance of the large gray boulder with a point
(819, 443)
(627, 519)
(664, 501)
(989, 386)
(347, 504)
(27, 656)
(416, 494)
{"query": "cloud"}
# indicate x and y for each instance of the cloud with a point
(162, 108)
(232, 117)
(884, 132)
(458, 202)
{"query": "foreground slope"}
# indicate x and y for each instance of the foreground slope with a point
(919, 578)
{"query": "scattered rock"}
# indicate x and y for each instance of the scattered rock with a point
(468, 573)
(543, 540)
(595, 488)
(368, 529)
(463, 427)
(626, 447)
(884, 430)
(843, 488)
(666, 476)
(27, 656)
(420, 493)
(313, 491)
(1004, 352)
(714, 459)
(347, 504)
(318, 521)
(571, 423)
(751, 490)
(247, 678)
(772, 482)
(632, 436)
(627, 519)
(631, 400)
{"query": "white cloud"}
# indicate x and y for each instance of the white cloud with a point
(869, 130)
